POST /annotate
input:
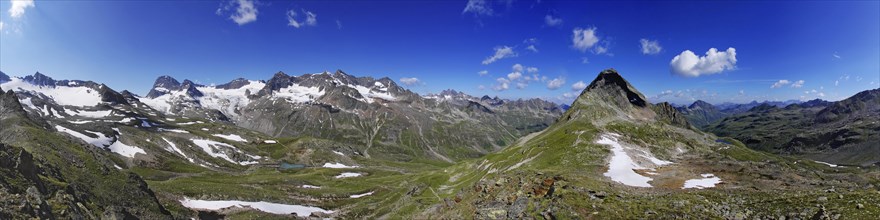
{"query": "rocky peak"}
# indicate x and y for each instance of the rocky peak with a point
(4, 77)
(162, 86)
(611, 86)
(701, 104)
(40, 80)
(666, 112)
(9, 105)
(190, 88)
(235, 84)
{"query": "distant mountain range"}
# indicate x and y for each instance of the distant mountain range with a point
(332, 145)
(844, 132)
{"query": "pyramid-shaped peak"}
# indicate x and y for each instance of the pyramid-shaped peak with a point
(609, 82)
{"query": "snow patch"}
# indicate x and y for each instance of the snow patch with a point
(310, 187)
(274, 208)
(708, 181)
(215, 149)
(337, 166)
(347, 175)
(360, 195)
(231, 137)
(270, 142)
(621, 167)
(828, 164)
(338, 153)
(174, 130)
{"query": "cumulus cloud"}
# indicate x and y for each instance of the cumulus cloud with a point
(578, 86)
(310, 20)
(501, 52)
(551, 21)
(532, 48)
(521, 85)
(478, 8)
(1, 25)
(798, 84)
(245, 11)
(650, 46)
(514, 75)
(532, 69)
(503, 84)
(780, 83)
(556, 83)
(585, 60)
(689, 64)
(18, 8)
(583, 39)
(483, 73)
(410, 81)
(518, 67)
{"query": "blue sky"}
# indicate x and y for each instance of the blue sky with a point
(765, 50)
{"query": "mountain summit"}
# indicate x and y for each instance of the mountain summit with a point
(616, 89)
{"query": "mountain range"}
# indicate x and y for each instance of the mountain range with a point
(332, 145)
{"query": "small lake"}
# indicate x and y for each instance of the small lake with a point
(722, 141)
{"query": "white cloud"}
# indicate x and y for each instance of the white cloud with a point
(797, 84)
(311, 19)
(514, 75)
(410, 81)
(556, 83)
(835, 55)
(569, 95)
(501, 52)
(821, 94)
(18, 8)
(503, 84)
(244, 13)
(532, 69)
(483, 73)
(551, 21)
(689, 64)
(478, 8)
(742, 92)
(578, 86)
(583, 39)
(1, 25)
(338, 24)
(518, 67)
(650, 46)
(836, 82)
(585, 60)
(481, 87)
(780, 83)
(521, 85)
(532, 48)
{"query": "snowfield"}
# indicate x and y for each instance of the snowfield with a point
(213, 148)
(708, 181)
(298, 94)
(228, 101)
(231, 137)
(103, 141)
(621, 167)
(274, 208)
(63, 95)
(89, 114)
